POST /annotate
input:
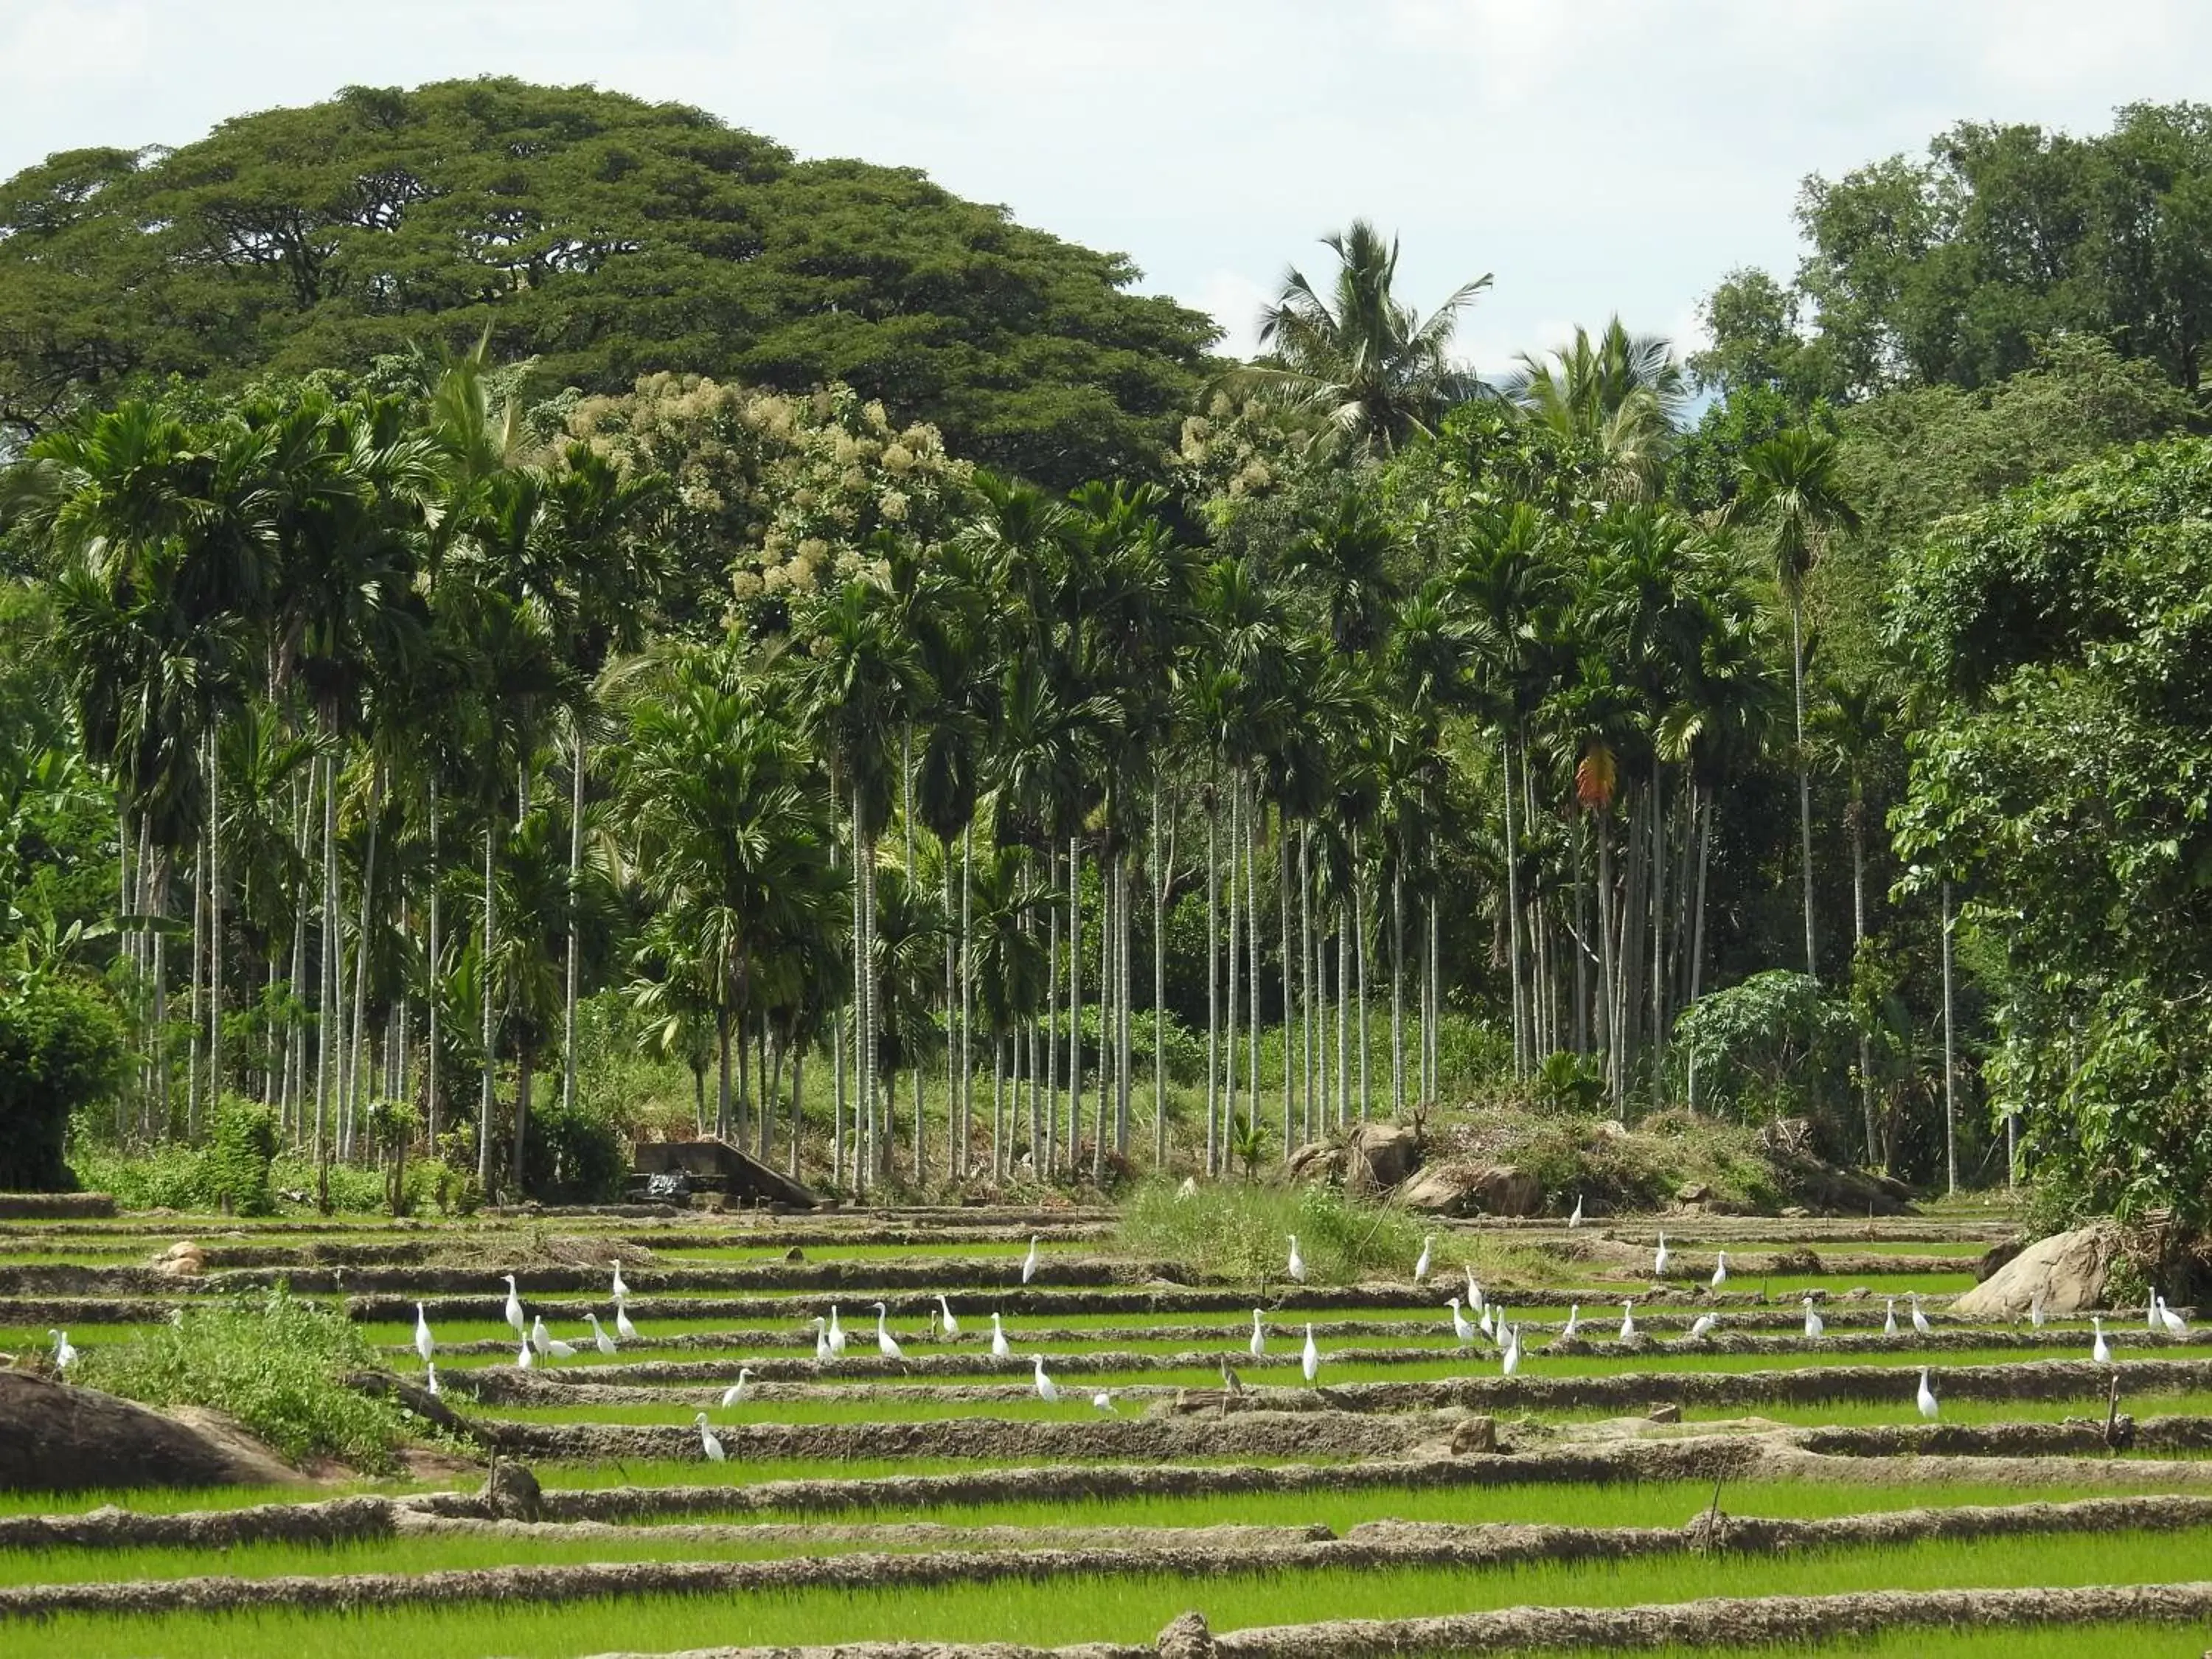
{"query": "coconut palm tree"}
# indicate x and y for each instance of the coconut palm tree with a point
(1790, 491)
(1619, 395)
(1357, 355)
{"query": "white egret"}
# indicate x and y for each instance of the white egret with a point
(424, 1344)
(1889, 1318)
(2175, 1323)
(1575, 1219)
(1421, 1267)
(1258, 1345)
(524, 1359)
(64, 1350)
(1919, 1319)
(1104, 1399)
(1628, 1321)
(2035, 1310)
(1720, 1269)
(1496, 1312)
(1701, 1328)
(538, 1334)
(514, 1310)
(621, 1290)
(430, 1373)
(2101, 1350)
(1473, 1293)
(1310, 1361)
(836, 1333)
(1815, 1326)
(1574, 1323)
(949, 1324)
(886, 1344)
(1461, 1328)
(1510, 1361)
(557, 1349)
(1925, 1399)
(1000, 1348)
(707, 1442)
(623, 1328)
(735, 1394)
(1484, 1324)
(1029, 1262)
(600, 1339)
(822, 1354)
(2150, 1316)
(1659, 1258)
(1297, 1262)
(1047, 1390)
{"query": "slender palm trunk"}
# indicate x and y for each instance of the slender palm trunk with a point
(1432, 988)
(859, 1000)
(1397, 994)
(327, 998)
(1106, 1055)
(1252, 941)
(1859, 939)
(1074, 1004)
(1236, 906)
(1359, 965)
(1343, 1021)
(1044, 1149)
(431, 977)
(215, 915)
(1608, 1014)
(576, 948)
(1125, 939)
(798, 1109)
(1215, 1140)
(1159, 881)
(361, 964)
(967, 986)
(199, 1010)
(1523, 1039)
(486, 993)
(1950, 1064)
(1289, 968)
(1658, 936)
(1306, 979)
(955, 1161)
(1804, 773)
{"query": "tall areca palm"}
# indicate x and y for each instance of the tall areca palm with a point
(1789, 487)
(1856, 724)
(1356, 355)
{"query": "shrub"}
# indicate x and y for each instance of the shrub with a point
(233, 1171)
(61, 1050)
(277, 1363)
(573, 1156)
(1234, 1232)
(1773, 1046)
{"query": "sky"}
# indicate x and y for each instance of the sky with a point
(1595, 156)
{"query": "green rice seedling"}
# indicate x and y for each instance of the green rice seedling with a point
(1127, 1608)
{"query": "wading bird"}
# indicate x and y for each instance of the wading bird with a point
(2100, 1351)
(1574, 1323)
(600, 1339)
(1297, 1262)
(947, 1322)
(423, 1346)
(1000, 1348)
(1510, 1361)
(1473, 1293)
(1104, 1399)
(431, 1372)
(1659, 1258)
(621, 1290)
(886, 1344)
(1889, 1317)
(735, 1394)
(1628, 1321)
(1421, 1267)
(2175, 1323)
(1701, 1328)
(1047, 1390)
(1815, 1326)
(1575, 1219)
(1925, 1399)
(623, 1328)
(538, 1338)
(822, 1354)
(1029, 1262)
(1310, 1361)
(2035, 1310)
(524, 1359)
(836, 1333)
(64, 1350)
(514, 1310)
(1919, 1319)
(1720, 1269)
(707, 1442)
(1461, 1329)
(1258, 1345)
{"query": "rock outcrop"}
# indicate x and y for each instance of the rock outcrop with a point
(2067, 1269)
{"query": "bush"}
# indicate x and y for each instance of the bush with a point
(61, 1050)
(572, 1157)
(235, 1170)
(1234, 1232)
(277, 1363)
(1773, 1046)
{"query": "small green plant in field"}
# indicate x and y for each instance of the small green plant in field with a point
(275, 1363)
(1248, 1142)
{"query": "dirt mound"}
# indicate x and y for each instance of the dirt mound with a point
(54, 1437)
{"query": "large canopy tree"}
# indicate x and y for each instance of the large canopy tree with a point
(604, 235)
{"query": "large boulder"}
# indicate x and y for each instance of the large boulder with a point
(1380, 1156)
(2068, 1270)
(1316, 1164)
(1463, 1188)
(54, 1437)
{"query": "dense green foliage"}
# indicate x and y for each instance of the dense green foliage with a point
(607, 237)
(61, 1050)
(1948, 270)
(278, 1364)
(2062, 779)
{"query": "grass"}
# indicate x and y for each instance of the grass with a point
(697, 1472)
(2046, 1641)
(1126, 1609)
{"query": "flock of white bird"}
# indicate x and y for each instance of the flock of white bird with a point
(1474, 1318)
